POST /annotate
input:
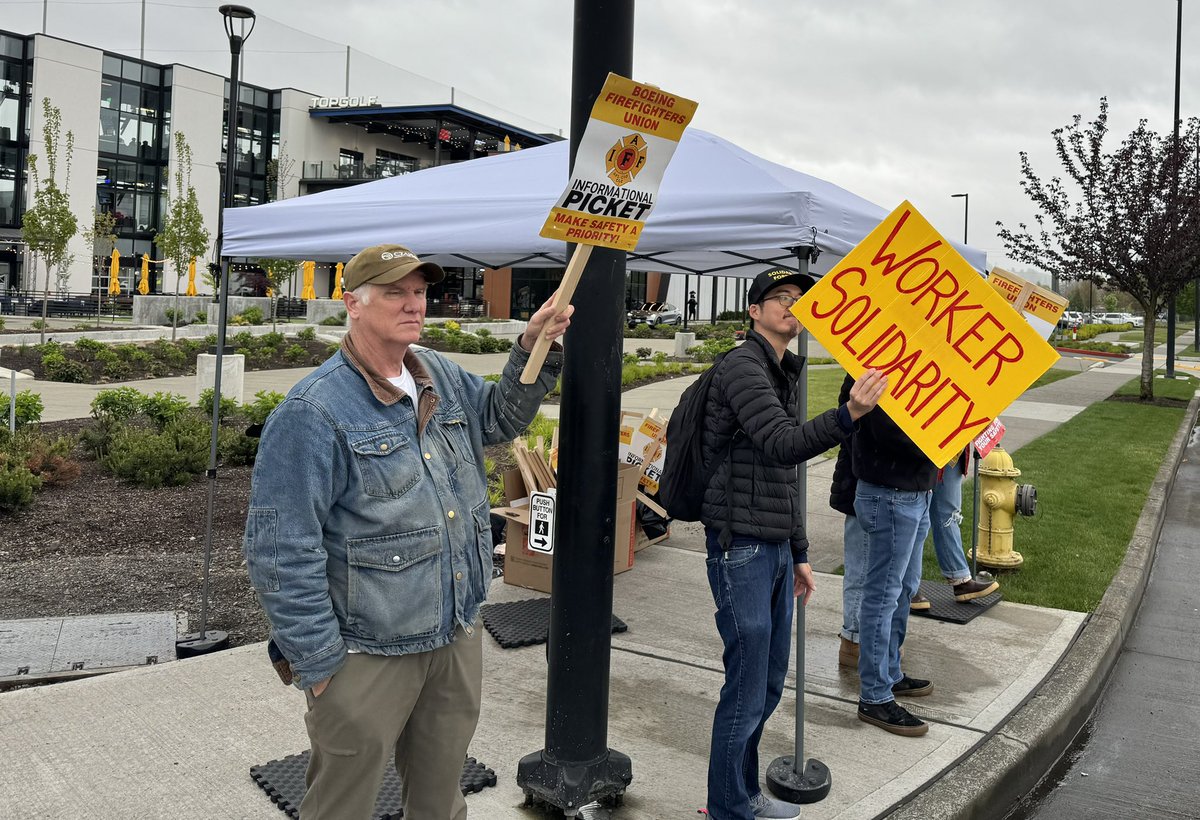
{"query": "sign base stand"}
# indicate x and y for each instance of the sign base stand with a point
(570, 787)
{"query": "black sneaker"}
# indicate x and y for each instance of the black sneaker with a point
(892, 717)
(972, 589)
(912, 687)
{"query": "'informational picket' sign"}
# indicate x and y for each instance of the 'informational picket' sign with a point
(541, 523)
(904, 302)
(631, 136)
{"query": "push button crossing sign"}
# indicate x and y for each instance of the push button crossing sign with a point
(541, 523)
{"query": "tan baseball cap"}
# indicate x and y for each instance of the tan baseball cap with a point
(383, 264)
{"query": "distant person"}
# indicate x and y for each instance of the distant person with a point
(757, 548)
(368, 542)
(693, 305)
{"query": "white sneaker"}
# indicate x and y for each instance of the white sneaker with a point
(769, 808)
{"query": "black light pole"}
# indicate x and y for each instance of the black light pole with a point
(576, 766)
(1174, 189)
(239, 22)
(966, 198)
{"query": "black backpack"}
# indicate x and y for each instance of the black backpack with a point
(685, 475)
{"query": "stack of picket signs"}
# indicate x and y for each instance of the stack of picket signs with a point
(529, 492)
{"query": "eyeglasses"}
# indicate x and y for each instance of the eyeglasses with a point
(785, 299)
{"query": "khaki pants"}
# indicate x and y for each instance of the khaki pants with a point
(421, 708)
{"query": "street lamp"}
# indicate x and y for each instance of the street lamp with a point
(1170, 374)
(239, 22)
(966, 198)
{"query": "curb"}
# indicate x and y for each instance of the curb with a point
(1095, 353)
(1007, 764)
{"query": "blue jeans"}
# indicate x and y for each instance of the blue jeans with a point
(896, 523)
(751, 584)
(854, 569)
(945, 512)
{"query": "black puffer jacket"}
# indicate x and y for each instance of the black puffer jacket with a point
(883, 454)
(754, 396)
(841, 490)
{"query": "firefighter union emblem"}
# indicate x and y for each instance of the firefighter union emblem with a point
(625, 159)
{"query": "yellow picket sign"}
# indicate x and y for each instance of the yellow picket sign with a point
(904, 302)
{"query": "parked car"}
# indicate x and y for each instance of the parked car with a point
(1070, 319)
(1136, 321)
(1113, 319)
(654, 314)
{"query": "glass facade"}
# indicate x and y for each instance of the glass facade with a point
(257, 141)
(131, 169)
(15, 71)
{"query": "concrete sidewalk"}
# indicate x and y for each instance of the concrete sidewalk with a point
(178, 739)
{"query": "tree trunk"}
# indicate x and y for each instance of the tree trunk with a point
(99, 293)
(1146, 393)
(45, 304)
(175, 312)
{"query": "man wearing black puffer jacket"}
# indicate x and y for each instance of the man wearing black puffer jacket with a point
(757, 549)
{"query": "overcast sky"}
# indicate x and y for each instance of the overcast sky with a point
(891, 99)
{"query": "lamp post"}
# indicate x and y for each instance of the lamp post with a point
(239, 22)
(966, 198)
(1170, 374)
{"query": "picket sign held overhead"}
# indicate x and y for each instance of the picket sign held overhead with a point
(905, 303)
(1041, 307)
(630, 137)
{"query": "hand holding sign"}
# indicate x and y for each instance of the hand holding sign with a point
(866, 393)
(630, 138)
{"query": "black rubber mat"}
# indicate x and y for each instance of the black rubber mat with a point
(945, 608)
(283, 781)
(524, 623)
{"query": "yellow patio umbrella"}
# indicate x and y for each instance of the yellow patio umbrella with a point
(144, 285)
(191, 288)
(310, 272)
(114, 274)
(337, 282)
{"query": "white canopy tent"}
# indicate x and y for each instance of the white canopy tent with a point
(721, 211)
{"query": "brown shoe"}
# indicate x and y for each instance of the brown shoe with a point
(848, 654)
(970, 590)
(920, 603)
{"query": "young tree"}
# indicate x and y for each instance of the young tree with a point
(279, 271)
(183, 234)
(48, 224)
(1127, 220)
(102, 236)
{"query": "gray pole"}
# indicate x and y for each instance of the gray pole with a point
(347, 71)
(12, 402)
(1170, 374)
(142, 41)
(576, 766)
(45, 11)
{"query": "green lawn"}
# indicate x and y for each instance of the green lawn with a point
(1051, 376)
(1181, 387)
(1092, 479)
(1160, 333)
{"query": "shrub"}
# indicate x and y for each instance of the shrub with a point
(483, 333)
(307, 335)
(97, 437)
(88, 349)
(295, 353)
(492, 377)
(644, 352)
(333, 321)
(660, 358)
(503, 345)
(58, 368)
(84, 325)
(116, 369)
(38, 324)
(167, 353)
(50, 459)
(711, 348)
(434, 334)
(469, 344)
(244, 339)
(331, 348)
(271, 339)
(629, 358)
(731, 316)
(201, 317)
(489, 344)
(235, 448)
(640, 332)
(117, 403)
(17, 485)
(177, 317)
(452, 326)
(28, 410)
(264, 402)
(163, 408)
(229, 405)
(249, 316)
(1, 323)
(153, 459)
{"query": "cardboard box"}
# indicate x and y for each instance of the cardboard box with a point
(525, 568)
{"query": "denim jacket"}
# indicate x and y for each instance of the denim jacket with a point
(368, 528)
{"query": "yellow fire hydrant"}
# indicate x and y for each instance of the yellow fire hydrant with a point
(1001, 498)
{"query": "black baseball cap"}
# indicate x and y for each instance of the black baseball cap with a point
(773, 278)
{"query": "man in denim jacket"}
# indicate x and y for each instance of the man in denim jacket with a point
(368, 541)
